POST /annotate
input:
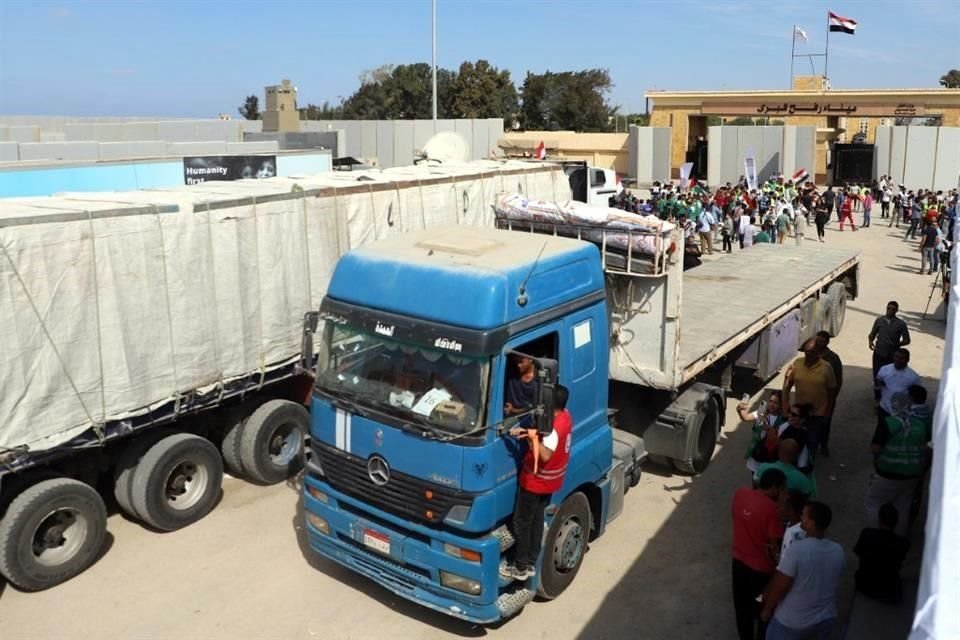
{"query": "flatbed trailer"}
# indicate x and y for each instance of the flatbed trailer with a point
(677, 337)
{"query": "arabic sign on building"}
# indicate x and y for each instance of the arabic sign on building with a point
(773, 109)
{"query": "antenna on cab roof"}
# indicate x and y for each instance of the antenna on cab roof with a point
(522, 297)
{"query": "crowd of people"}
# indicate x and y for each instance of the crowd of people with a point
(786, 571)
(736, 215)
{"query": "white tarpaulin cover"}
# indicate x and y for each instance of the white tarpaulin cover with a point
(938, 600)
(113, 303)
(593, 223)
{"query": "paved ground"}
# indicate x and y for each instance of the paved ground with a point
(661, 571)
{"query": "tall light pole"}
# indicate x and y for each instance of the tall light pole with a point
(434, 38)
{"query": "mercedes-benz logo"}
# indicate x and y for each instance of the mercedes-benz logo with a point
(378, 470)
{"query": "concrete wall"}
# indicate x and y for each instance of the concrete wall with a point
(918, 157)
(129, 176)
(92, 151)
(393, 143)
(166, 130)
(648, 153)
(331, 140)
(777, 150)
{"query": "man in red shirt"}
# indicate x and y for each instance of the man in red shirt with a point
(757, 531)
(538, 481)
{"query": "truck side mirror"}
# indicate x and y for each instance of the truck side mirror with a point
(311, 320)
(546, 386)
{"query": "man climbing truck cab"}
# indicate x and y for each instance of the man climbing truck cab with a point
(411, 478)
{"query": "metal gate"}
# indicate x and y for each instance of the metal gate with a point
(852, 163)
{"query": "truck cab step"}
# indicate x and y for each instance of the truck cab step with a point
(511, 603)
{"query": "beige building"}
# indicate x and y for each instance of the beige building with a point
(606, 150)
(837, 114)
(280, 113)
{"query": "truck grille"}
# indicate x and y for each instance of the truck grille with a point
(403, 495)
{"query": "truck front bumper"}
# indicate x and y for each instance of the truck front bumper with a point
(404, 557)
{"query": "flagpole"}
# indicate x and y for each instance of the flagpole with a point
(793, 47)
(826, 50)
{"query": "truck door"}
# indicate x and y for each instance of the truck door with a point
(603, 185)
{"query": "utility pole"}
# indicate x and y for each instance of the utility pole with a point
(434, 38)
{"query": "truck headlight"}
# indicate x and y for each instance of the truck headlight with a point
(463, 554)
(316, 494)
(318, 523)
(464, 585)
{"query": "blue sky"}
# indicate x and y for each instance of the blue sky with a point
(200, 58)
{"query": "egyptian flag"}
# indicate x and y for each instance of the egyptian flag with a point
(839, 23)
(800, 177)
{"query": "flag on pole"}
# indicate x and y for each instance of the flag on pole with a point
(799, 35)
(839, 23)
(800, 177)
(541, 152)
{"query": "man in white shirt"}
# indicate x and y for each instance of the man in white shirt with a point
(705, 224)
(801, 599)
(885, 201)
(748, 231)
(895, 378)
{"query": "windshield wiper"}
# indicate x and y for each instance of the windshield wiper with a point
(343, 402)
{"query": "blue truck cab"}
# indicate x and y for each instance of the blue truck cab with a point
(411, 474)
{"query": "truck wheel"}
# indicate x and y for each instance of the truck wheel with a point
(705, 439)
(565, 546)
(51, 532)
(837, 303)
(271, 444)
(177, 482)
(127, 466)
(230, 445)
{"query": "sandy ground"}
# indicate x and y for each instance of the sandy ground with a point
(661, 571)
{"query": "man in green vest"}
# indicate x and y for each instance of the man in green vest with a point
(901, 450)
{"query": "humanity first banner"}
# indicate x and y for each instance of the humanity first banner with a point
(199, 169)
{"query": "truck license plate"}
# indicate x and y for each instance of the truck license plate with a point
(376, 541)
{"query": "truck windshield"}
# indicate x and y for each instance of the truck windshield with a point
(414, 383)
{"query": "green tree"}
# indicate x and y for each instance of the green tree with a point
(951, 79)
(639, 119)
(570, 100)
(369, 102)
(480, 90)
(250, 109)
(325, 111)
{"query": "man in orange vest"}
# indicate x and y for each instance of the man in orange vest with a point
(539, 479)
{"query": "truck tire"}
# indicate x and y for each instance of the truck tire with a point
(127, 466)
(177, 482)
(230, 445)
(271, 442)
(837, 304)
(705, 437)
(51, 532)
(565, 546)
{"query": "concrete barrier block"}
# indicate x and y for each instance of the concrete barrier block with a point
(23, 134)
(140, 131)
(262, 146)
(185, 131)
(52, 136)
(129, 150)
(206, 148)
(9, 151)
(67, 151)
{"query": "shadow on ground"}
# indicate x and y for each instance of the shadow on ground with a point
(685, 567)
